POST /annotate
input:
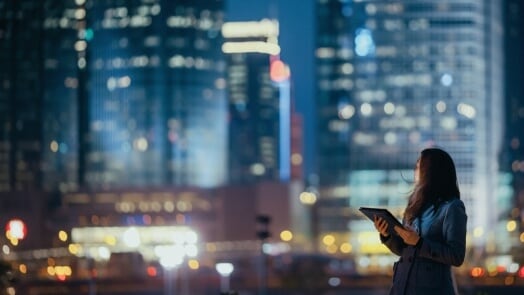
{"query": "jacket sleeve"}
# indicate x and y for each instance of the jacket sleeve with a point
(394, 243)
(452, 249)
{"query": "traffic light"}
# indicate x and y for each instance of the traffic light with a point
(263, 226)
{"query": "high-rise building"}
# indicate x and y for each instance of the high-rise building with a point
(393, 78)
(21, 89)
(135, 94)
(259, 96)
(20, 95)
(513, 158)
(65, 90)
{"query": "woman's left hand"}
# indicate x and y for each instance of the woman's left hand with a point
(407, 234)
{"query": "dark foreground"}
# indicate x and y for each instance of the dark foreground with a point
(368, 286)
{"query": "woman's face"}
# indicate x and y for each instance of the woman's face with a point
(417, 171)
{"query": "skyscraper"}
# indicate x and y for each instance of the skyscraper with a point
(513, 157)
(20, 93)
(394, 77)
(259, 96)
(135, 94)
(64, 93)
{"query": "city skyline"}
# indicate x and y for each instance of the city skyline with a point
(101, 162)
(135, 107)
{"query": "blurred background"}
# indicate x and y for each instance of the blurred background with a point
(225, 146)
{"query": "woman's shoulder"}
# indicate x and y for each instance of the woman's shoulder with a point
(454, 204)
(455, 201)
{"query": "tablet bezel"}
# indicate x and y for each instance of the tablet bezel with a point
(370, 212)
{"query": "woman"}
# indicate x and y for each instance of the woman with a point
(434, 234)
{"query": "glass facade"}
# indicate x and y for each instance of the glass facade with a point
(258, 107)
(512, 162)
(64, 81)
(394, 77)
(20, 91)
(135, 94)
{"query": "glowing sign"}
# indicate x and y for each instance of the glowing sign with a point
(16, 229)
(263, 28)
(278, 71)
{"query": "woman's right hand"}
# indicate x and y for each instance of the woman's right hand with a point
(381, 225)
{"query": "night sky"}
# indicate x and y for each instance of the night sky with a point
(296, 22)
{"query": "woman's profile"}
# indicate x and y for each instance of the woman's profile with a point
(434, 235)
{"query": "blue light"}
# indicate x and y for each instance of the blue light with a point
(364, 44)
(63, 148)
(88, 35)
(285, 130)
(240, 106)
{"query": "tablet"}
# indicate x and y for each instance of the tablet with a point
(384, 214)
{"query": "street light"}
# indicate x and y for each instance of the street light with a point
(170, 258)
(224, 269)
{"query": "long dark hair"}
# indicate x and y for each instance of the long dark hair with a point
(437, 182)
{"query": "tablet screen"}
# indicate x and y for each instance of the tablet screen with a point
(384, 214)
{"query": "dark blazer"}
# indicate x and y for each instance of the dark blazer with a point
(426, 268)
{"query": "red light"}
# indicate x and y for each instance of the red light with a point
(16, 229)
(278, 71)
(151, 271)
(477, 272)
(521, 272)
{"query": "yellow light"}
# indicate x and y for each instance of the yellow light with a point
(62, 235)
(491, 268)
(68, 271)
(522, 237)
(14, 241)
(308, 198)
(193, 264)
(74, 249)
(296, 159)
(511, 225)
(478, 232)
(286, 235)
(346, 248)
(110, 240)
(332, 249)
(328, 240)
(51, 270)
(62, 270)
(22, 268)
(53, 146)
